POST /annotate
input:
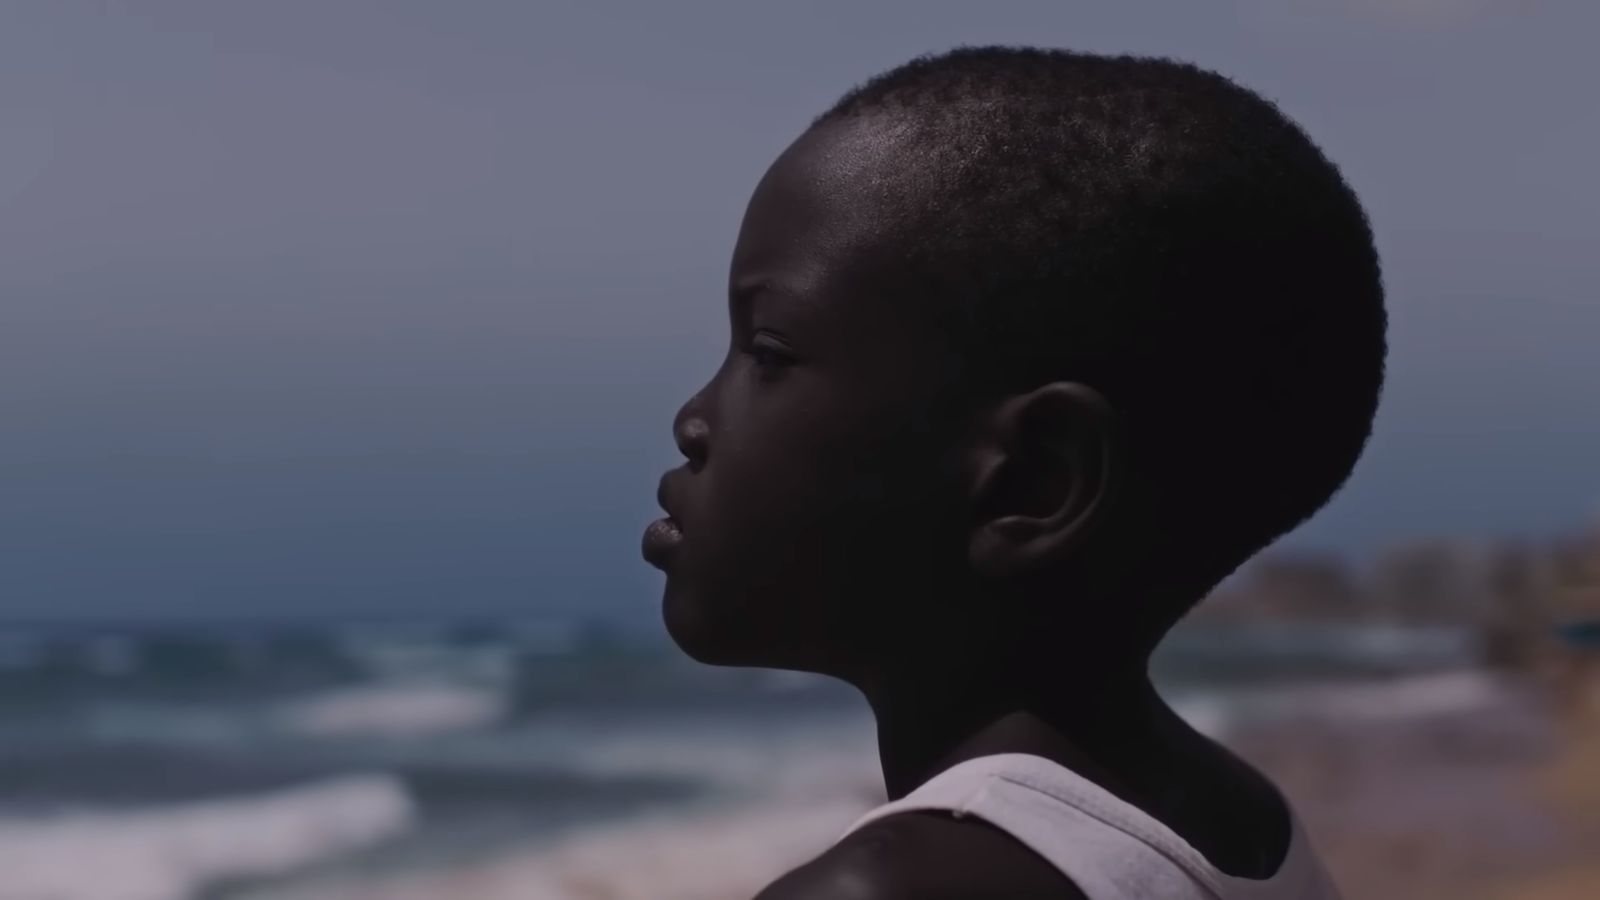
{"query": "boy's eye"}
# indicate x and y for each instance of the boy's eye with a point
(768, 355)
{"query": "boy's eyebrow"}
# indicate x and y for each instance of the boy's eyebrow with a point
(744, 292)
(797, 297)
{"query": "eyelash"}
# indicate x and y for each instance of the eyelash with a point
(759, 352)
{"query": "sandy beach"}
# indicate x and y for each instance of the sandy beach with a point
(1496, 800)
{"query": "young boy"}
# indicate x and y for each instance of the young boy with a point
(1029, 350)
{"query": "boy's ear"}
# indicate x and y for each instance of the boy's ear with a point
(1042, 478)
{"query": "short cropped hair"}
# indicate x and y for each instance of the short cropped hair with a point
(1160, 233)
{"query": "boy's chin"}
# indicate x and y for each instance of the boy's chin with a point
(705, 637)
(717, 638)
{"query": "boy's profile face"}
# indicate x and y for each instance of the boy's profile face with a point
(813, 508)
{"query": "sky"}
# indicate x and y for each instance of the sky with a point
(380, 306)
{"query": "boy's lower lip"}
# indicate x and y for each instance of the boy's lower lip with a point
(661, 537)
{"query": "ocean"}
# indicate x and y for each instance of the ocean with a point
(223, 762)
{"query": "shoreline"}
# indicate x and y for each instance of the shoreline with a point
(1424, 786)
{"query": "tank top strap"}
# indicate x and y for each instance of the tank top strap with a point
(1109, 848)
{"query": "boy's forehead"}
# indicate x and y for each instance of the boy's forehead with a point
(837, 191)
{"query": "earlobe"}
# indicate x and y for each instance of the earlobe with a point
(993, 550)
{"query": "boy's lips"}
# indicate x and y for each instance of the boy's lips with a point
(661, 538)
(664, 498)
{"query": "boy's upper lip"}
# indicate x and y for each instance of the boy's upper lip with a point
(666, 498)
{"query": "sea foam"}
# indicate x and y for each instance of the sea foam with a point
(393, 710)
(174, 852)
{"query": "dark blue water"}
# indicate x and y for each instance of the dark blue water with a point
(496, 731)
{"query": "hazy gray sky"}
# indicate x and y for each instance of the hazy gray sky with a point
(387, 305)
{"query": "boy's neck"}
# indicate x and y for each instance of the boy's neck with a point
(1092, 710)
(931, 717)
(1103, 722)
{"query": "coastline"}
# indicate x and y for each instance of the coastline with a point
(1425, 786)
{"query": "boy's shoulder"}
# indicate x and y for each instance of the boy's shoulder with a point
(928, 856)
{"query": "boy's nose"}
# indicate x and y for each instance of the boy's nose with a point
(690, 433)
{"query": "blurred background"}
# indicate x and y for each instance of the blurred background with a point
(340, 342)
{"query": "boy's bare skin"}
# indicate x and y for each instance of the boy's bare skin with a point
(845, 510)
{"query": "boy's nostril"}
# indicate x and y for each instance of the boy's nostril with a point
(691, 437)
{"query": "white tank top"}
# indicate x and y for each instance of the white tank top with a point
(1109, 848)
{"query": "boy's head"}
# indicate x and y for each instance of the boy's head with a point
(1023, 342)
